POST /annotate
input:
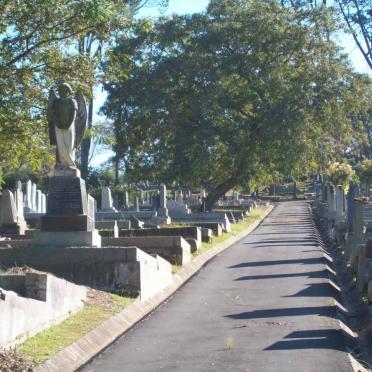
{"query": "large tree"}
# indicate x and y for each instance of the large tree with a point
(248, 89)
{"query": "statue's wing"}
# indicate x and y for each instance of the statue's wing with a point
(81, 119)
(51, 117)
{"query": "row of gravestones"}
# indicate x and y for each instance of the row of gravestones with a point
(34, 200)
(181, 201)
(15, 205)
(349, 222)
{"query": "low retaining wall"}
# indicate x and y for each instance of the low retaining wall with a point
(174, 249)
(109, 269)
(185, 232)
(42, 300)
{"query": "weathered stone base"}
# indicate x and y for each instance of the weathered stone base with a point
(67, 238)
(62, 223)
(174, 249)
(161, 220)
(16, 228)
(126, 270)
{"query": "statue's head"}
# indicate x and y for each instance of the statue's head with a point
(64, 90)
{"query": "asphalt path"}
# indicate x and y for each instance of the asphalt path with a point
(265, 304)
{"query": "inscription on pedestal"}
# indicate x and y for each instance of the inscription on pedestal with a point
(67, 195)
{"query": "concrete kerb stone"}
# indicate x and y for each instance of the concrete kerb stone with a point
(76, 355)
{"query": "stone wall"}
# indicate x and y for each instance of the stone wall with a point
(33, 303)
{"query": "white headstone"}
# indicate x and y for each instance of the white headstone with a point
(106, 200)
(126, 200)
(18, 185)
(91, 207)
(8, 211)
(33, 198)
(28, 196)
(18, 195)
(43, 203)
(202, 193)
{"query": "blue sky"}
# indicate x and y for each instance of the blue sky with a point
(194, 6)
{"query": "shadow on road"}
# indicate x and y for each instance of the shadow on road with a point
(285, 312)
(311, 339)
(305, 261)
(310, 274)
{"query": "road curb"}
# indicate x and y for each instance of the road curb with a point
(87, 347)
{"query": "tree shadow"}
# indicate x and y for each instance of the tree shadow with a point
(300, 231)
(282, 245)
(317, 290)
(328, 311)
(304, 261)
(276, 241)
(311, 339)
(321, 274)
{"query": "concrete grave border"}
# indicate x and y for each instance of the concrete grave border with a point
(87, 347)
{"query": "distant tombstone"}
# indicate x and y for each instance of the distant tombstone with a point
(18, 185)
(340, 204)
(350, 207)
(163, 196)
(91, 206)
(18, 196)
(10, 223)
(38, 201)
(126, 200)
(136, 204)
(106, 199)
(33, 197)
(162, 215)
(331, 200)
(180, 196)
(202, 193)
(116, 201)
(8, 211)
(43, 203)
(28, 197)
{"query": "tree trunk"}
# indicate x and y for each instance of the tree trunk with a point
(85, 145)
(216, 193)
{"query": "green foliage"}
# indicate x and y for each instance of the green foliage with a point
(231, 96)
(364, 168)
(340, 174)
(41, 43)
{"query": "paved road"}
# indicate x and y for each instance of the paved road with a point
(265, 305)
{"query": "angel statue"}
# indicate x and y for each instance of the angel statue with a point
(67, 118)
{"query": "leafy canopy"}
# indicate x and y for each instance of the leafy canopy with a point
(221, 98)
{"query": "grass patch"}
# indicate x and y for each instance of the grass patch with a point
(49, 342)
(176, 268)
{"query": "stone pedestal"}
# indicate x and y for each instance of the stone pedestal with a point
(68, 221)
(161, 217)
